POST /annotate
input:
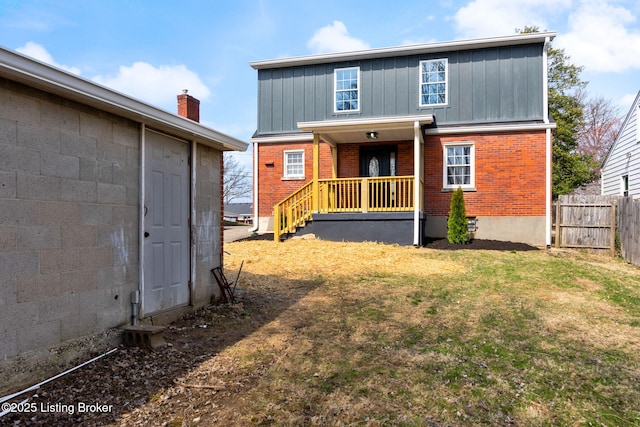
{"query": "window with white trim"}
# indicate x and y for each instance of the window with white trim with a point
(347, 89)
(624, 185)
(459, 165)
(294, 164)
(433, 82)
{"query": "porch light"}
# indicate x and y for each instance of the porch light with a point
(372, 135)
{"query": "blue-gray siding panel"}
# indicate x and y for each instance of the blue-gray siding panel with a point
(486, 85)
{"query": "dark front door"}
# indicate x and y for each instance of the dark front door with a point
(378, 161)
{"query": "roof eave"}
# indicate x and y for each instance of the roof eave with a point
(39, 75)
(456, 45)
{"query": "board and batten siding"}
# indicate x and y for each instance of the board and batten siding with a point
(624, 157)
(501, 84)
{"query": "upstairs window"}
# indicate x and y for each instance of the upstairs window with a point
(347, 85)
(459, 159)
(294, 164)
(433, 82)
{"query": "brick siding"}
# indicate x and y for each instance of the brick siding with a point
(509, 172)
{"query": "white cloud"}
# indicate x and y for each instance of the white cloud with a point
(626, 102)
(38, 52)
(156, 85)
(600, 39)
(335, 38)
(487, 18)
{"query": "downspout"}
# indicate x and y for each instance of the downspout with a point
(549, 147)
(256, 224)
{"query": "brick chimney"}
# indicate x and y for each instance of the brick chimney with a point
(188, 106)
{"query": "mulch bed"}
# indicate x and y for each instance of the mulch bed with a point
(443, 244)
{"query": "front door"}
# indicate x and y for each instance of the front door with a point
(166, 223)
(379, 161)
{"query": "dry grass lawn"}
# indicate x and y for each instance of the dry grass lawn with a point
(403, 336)
(364, 334)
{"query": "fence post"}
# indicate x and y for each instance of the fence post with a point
(613, 227)
(558, 210)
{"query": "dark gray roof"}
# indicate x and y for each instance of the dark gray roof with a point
(238, 208)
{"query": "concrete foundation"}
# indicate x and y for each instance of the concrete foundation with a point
(522, 229)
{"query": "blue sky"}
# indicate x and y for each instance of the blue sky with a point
(151, 50)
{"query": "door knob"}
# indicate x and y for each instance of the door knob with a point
(146, 234)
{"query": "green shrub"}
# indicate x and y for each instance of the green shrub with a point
(458, 232)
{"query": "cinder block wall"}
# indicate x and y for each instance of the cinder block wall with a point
(69, 185)
(208, 222)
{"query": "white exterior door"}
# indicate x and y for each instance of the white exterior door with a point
(166, 223)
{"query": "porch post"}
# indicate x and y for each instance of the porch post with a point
(417, 176)
(334, 159)
(315, 186)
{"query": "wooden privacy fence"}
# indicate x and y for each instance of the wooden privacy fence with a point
(629, 229)
(586, 221)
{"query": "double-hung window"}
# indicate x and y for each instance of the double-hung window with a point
(433, 82)
(347, 89)
(624, 185)
(459, 166)
(294, 164)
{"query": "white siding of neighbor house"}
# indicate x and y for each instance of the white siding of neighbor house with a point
(624, 157)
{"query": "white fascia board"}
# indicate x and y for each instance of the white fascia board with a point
(490, 128)
(416, 49)
(399, 122)
(28, 71)
(288, 137)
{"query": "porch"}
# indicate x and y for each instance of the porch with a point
(391, 198)
(348, 204)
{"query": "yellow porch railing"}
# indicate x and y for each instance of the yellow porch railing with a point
(380, 194)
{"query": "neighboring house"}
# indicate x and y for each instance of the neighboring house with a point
(621, 168)
(239, 212)
(103, 199)
(369, 145)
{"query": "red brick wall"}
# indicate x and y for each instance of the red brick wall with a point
(349, 158)
(509, 172)
(509, 175)
(271, 185)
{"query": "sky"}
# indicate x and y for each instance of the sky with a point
(153, 49)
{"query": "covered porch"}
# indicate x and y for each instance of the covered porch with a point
(379, 197)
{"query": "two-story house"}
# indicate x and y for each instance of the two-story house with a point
(369, 145)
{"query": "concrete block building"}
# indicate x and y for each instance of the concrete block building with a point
(103, 199)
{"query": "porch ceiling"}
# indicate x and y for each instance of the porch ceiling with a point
(355, 130)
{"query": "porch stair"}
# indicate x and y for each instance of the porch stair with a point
(293, 212)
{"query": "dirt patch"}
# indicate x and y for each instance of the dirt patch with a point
(132, 385)
(478, 244)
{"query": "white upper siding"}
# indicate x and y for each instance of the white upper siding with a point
(624, 156)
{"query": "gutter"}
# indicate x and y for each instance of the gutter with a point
(256, 222)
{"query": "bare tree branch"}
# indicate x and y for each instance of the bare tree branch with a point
(599, 128)
(237, 184)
